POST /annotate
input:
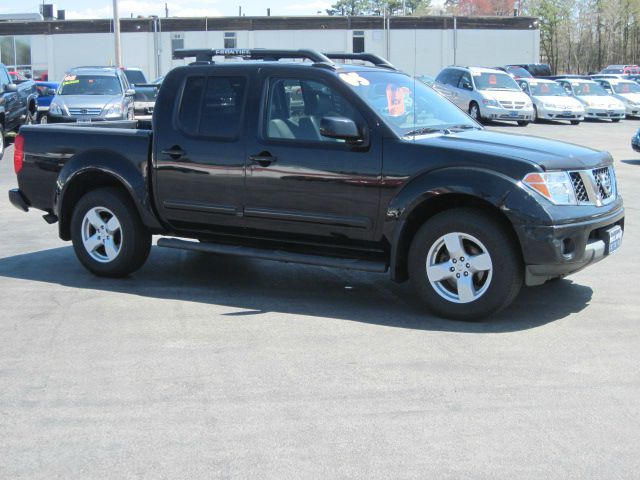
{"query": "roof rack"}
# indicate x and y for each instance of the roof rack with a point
(365, 57)
(205, 55)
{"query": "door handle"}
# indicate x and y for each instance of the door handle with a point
(174, 152)
(264, 159)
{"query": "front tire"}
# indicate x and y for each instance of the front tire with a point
(108, 236)
(523, 123)
(575, 122)
(615, 120)
(464, 264)
(474, 112)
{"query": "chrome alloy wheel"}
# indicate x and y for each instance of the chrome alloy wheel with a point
(101, 234)
(459, 267)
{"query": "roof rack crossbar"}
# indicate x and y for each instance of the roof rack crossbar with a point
(207, 54)
(365, 57)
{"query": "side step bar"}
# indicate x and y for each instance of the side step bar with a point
(276, 255)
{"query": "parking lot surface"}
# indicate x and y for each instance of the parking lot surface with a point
(223, 367)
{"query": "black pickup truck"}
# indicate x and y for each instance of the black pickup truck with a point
(18, 104)
(326, 162)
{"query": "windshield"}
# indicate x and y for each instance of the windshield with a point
(406, 104)
(519, 72)
(90, 85)
(547, 89)
(626, 87)
(588, 89)
(494, 81)
(135, 76)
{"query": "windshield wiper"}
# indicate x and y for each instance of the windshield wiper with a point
(445, 129)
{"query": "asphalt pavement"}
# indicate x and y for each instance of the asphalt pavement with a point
(220, 367)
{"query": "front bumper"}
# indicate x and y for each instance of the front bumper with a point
(548, 113)
(88, 119)
(559, 250)
(604, 113)
(632, 110)
(506, 114)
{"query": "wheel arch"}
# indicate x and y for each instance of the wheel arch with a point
(92, 171)
(415, 209)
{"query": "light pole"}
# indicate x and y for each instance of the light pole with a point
(116, 33)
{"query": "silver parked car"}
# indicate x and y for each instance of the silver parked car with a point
(598, 104)
(89, 94)
(551, 101)
(627, 91)
(485, 93)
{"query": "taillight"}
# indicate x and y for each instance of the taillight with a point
(18, 153)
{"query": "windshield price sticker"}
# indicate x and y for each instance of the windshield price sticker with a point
(69, 78)
(354, 79)
(70, 82)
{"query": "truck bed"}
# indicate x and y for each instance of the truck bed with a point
(51, 147)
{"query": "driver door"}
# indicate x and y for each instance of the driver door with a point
(300, 182)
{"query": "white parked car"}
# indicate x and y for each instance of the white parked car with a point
(627, 91)
(598, 104)
(551, 101)
(486, 93)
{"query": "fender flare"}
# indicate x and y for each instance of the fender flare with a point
(102, 164)
(434, 191)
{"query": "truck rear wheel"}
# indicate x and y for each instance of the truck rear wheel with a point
(464, 265)
(107, 234)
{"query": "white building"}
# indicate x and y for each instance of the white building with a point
(418, 45)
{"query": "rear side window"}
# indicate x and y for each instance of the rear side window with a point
(212, 106)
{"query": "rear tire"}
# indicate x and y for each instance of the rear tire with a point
(487, 267)
(108, 236)
(2, 141)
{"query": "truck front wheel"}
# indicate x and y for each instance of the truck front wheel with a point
(108, 236)
(464, 265)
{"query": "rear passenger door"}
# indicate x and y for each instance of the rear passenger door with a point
(299, 182)
(11, 101)
(199, 154)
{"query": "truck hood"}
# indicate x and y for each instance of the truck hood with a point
(87, 101)
(548, 154)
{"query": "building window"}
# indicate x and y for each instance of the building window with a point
(15, 52)
(230, 40)
(358, 41)
(177, 41)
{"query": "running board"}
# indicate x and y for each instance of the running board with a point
(276, 255)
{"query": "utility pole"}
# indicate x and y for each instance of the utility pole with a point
(116, 33)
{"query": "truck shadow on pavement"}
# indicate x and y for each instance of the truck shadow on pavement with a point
(250, 287)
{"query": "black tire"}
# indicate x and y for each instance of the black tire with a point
(496, 288)
(615, 120)
(523, 123)
(133, 240)
(3, 141)
(535, 114)
(44, 119)
(575, 122)
(473, 108)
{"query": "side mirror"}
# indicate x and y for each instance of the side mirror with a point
(467, 86)
(130, 92)
(339, 128)
(10, 87)
(50, 92)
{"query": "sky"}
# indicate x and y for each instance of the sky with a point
(177, 8)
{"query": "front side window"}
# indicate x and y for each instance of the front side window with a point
(494, 81)
(405, 104)
(212, 106)
(465, 82)
(296, 108)
(74, 84)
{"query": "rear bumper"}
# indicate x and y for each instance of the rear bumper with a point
(560, 250)
(18, 200)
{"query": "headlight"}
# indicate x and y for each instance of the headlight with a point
(588, 103)
(55, 109)
(114, 110)
(528, 105)
(554, 186)
(490, 103)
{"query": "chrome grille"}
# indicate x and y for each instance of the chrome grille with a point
(79, 112)
(579, 188)
(512, 105)
(594, 187)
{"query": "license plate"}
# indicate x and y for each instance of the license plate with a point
(513, 114)
(83, 120)
(615, 238)
(609, 112)
(566, 114)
